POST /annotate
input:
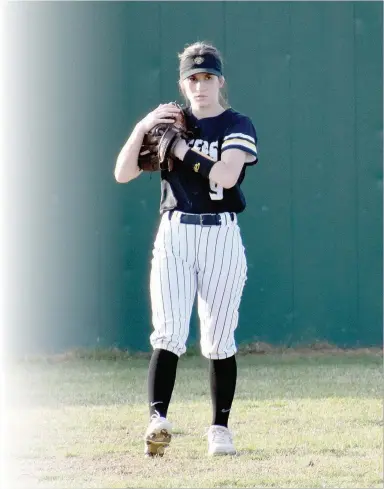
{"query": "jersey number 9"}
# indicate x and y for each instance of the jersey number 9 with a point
(216, 192)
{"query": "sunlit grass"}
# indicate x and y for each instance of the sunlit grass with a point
(298, 420)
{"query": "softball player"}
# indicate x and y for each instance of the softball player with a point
(198, 247)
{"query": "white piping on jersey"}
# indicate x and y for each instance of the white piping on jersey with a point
(239, 142)
(239, 135)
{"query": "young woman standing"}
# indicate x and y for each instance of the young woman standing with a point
(198, 247)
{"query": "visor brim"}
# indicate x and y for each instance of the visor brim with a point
(194, 71)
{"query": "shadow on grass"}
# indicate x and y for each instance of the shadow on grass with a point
(108, 377)
(258, 348)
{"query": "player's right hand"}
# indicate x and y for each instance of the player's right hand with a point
(164, 113)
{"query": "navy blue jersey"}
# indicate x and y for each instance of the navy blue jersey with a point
(188, 191)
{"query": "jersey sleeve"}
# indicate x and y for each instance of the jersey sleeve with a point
(242, 135)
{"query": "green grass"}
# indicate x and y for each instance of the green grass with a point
(299, 420)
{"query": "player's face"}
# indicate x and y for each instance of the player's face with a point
(202, 89)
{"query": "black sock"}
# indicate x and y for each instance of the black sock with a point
(161, 380)
(223, 374)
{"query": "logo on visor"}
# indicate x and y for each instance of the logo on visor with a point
(198, 60)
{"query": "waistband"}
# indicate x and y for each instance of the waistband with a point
(223, 218)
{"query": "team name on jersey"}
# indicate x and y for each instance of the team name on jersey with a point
(209, 149)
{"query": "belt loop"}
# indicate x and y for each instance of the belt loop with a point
(170, 214)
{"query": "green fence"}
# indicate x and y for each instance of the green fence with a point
(79, 75)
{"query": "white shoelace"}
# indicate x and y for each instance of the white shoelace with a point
(220, 435)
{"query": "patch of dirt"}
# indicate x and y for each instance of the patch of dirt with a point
(259, 347)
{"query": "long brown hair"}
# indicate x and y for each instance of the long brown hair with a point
(200, 48)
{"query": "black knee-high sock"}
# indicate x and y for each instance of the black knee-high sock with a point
(161, 380)
(223, 375)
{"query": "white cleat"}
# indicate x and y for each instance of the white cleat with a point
(220, 441)
(158, 436)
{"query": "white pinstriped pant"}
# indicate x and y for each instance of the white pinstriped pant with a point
(207, 259)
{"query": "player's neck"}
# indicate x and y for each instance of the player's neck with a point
(209, 111)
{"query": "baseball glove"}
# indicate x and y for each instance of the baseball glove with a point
(156, 152)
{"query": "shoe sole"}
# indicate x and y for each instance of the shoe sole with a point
(220, 454)
(155, 443)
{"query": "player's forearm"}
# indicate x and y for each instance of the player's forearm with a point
(224, 175)
(126, 168)
(218, 171)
